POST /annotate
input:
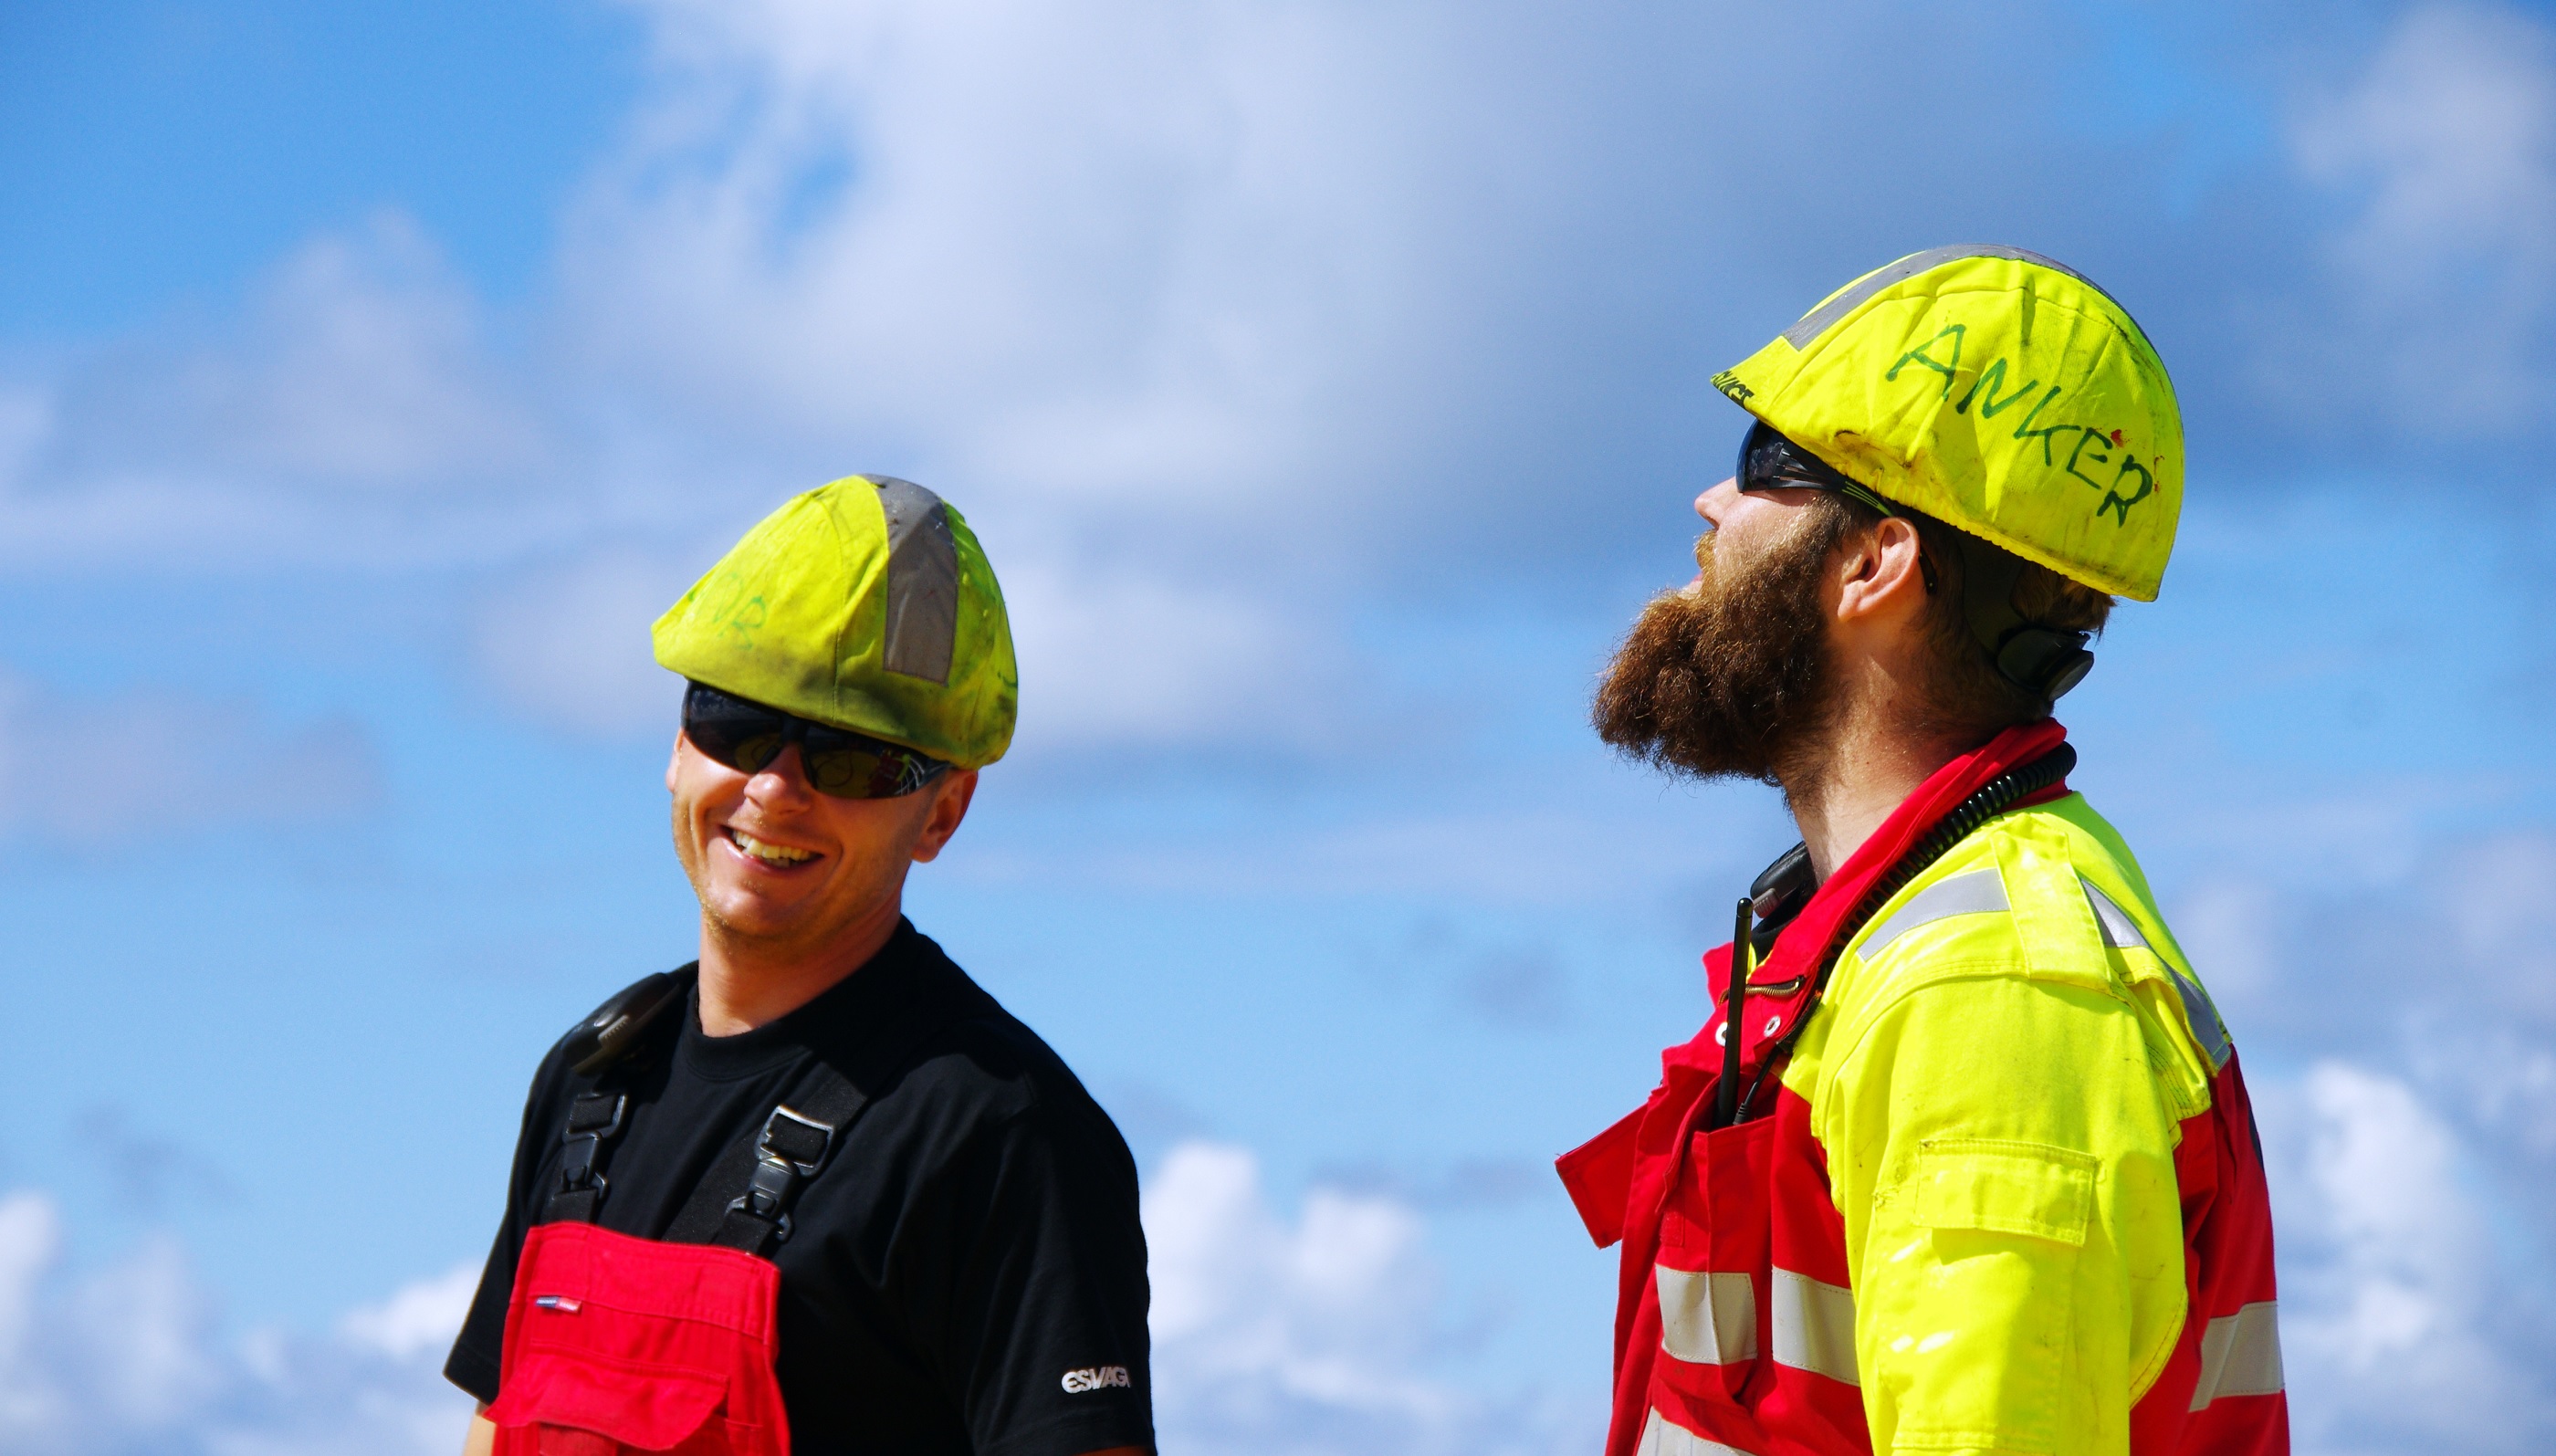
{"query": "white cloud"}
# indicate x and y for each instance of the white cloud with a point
(418, 1319)
(567, 642)
(2499, 895)
(1096, 253)
(363, 367)
(129, 1359)
(2406, 1321)
(1312, 1336)
(354, 411)
(2445, 278)
(31, 1236)
(2409, 1173)
(1124, 657)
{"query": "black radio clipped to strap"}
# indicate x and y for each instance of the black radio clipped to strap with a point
(613, 1030)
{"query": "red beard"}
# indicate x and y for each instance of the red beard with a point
(1730, 678)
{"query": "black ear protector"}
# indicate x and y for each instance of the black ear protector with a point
(2043, 661)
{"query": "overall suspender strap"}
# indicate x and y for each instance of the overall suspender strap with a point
(593, 1119)
(620, 1036)
(772, 1165)
(778, 1159)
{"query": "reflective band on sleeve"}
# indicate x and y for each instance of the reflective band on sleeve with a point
(1813, 1326)
(1707, 1318)
(922, 581)
(1974, 893)
(1816, 321)
(2207, 1029)
(2241, 1354)
(1662, 1436)
(2120, 931)
(2121, 934)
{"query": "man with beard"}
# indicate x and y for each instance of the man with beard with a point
(1963, 1161)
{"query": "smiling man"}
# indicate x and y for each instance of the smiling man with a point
(816, 1192)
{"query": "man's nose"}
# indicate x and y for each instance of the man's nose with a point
(781, 783)
(1715, 504)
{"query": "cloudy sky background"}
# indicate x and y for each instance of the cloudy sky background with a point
(1327, 381)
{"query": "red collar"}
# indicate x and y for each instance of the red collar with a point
(1798, 951)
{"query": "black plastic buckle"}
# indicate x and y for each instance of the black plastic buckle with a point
(585, 1139)
(784, 1156)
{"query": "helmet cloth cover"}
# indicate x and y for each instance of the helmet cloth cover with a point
(865, 604)
(1998, 391)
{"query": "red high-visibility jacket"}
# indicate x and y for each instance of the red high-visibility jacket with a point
(2009, 1197)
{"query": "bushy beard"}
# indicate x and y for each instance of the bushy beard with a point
(1729, 678)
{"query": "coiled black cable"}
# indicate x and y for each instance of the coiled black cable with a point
(1984, 803)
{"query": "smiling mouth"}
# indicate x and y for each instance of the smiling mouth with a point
(779, 857)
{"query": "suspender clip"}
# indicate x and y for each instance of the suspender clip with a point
(593, 1121)
(792, 1148)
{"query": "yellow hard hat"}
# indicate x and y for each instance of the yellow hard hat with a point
(1998, 391)
(866, 604)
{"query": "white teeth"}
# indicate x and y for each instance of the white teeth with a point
(769, 854)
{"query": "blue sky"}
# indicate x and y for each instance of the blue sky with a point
(1326, 382)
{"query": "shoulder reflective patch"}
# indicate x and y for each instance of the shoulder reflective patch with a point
(1974, 893)
(2121, 934)
(2120, 931)
(2207, 1029)
(1662, 1436)
(922, 581)
(1813, 1325)
(2241, 1354)
(1707, 1318)
(1816, 321)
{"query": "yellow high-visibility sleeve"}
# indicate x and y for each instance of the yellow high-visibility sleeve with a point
(1999, 1106)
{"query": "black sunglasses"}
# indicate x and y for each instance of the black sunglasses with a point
(1769, 462)
(747, 737)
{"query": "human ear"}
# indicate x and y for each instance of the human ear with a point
(1886, 571)
(949, 800)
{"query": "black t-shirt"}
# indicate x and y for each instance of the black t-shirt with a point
(962, 1266)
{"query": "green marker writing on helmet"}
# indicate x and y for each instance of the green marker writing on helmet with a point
(2089, 482)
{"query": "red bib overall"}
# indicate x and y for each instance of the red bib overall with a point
(617, 1344)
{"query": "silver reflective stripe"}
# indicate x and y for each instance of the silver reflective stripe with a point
(1662, 1436)
(1974, 893)
(2207, 1029)
(1813, 1325)
(1707, 1318)
(2241, 1354)
(922, 581)
(2121, 934)
(1816, 321)
(2120, 931)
